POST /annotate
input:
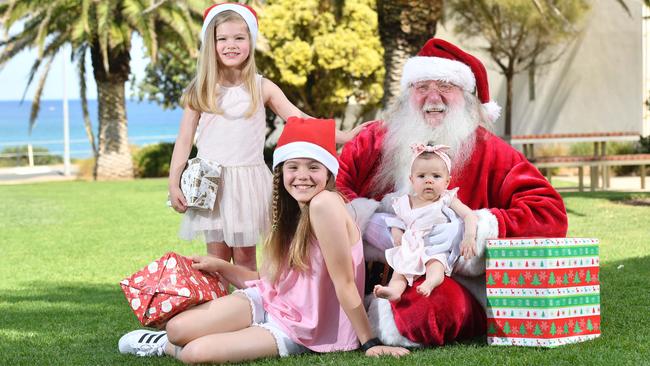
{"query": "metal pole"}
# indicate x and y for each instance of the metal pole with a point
(66, 123)
(30, 154)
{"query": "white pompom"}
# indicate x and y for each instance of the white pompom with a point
(492, 110)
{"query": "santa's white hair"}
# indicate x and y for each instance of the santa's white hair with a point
(406, 125)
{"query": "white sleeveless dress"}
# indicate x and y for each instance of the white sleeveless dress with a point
(242, 208)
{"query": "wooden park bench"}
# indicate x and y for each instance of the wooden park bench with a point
(599, 161)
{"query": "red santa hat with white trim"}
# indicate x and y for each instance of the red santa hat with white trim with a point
(441, 60)
(308, 138)
(246, 12)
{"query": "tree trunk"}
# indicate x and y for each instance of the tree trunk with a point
(508, 123)
(114, 157)
(404, 27)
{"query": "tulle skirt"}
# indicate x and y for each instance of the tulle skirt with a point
(242, 211)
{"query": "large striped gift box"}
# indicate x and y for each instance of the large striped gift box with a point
(542, 292)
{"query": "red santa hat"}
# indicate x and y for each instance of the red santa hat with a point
(245, 11)
(441, 60)
(308, 138)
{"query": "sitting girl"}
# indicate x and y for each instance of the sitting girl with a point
(417, 213)
(307, 297)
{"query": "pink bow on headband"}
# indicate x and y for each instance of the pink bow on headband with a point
(440, 150)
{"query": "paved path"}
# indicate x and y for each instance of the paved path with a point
(46, 173)
(21, 175)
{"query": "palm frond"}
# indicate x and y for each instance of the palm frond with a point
(43, 30)
(81, 69)
(36, 102)
(103, 29)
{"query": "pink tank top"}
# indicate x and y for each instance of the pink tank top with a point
(305, 306)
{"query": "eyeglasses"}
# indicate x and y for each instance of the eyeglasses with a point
(425, 87)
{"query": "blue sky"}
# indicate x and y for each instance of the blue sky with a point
(14, 75)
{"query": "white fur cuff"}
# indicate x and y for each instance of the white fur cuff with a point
(383, 325)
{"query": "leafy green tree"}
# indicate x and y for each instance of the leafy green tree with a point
(520, 35)
(322, 54)
(538, 330)
(551, 279)
(536, 280)
(404, 27)
(522, 329)
(104, 30)
(553, 329)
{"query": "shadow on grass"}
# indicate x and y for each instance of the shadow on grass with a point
(79, 323)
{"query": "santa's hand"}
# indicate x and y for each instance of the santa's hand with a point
(449, 233)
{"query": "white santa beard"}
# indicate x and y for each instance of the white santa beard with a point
(406, 125)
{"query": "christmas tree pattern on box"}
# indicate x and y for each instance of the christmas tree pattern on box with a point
(542, 292)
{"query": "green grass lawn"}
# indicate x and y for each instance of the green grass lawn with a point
(65, 246)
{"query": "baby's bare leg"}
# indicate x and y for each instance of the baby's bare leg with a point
(435, 275)
(394, 290)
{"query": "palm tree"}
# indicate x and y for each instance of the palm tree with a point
(103, 29)
(404, 27)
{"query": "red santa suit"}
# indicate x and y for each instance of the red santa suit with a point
(516, 201)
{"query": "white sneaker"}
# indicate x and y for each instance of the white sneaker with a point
(143, 342)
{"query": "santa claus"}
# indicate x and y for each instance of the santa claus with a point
(445, 100)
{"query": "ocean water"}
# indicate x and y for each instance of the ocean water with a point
(147, 123)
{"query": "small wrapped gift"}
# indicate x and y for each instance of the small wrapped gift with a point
(168, 286)
(542, 292)
(199, 183)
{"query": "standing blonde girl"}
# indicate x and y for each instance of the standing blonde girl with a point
(225, 104)
(308, 294)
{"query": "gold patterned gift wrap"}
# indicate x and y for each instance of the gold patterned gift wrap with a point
(200, 182)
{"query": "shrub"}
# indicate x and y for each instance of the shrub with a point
(19, 156)
(153, 160)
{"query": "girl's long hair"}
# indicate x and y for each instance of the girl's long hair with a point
(287, 246)
(202, 94)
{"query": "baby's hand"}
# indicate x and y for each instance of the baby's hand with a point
(177, 199)
(468, 248)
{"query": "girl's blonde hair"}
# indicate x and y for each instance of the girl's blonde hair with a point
(288, 244)
(202, 93)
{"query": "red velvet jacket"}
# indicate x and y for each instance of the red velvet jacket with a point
(496, 176)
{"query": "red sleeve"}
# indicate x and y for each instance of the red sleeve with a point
(530, 205)
(359, 160)
(501, 179)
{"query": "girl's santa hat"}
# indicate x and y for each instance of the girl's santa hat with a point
(441, 60)
(245, 11)
(308, 138)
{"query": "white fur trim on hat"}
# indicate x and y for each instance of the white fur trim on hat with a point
(249, 18)
(302, 149)
(437, 68)
(487, 228)
(492, 110)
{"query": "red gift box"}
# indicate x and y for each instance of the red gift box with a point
(168, 286)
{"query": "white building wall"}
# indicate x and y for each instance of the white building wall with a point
(596, 86)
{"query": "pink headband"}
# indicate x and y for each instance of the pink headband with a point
(440, 150)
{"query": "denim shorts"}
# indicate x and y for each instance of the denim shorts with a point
(286, 346)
